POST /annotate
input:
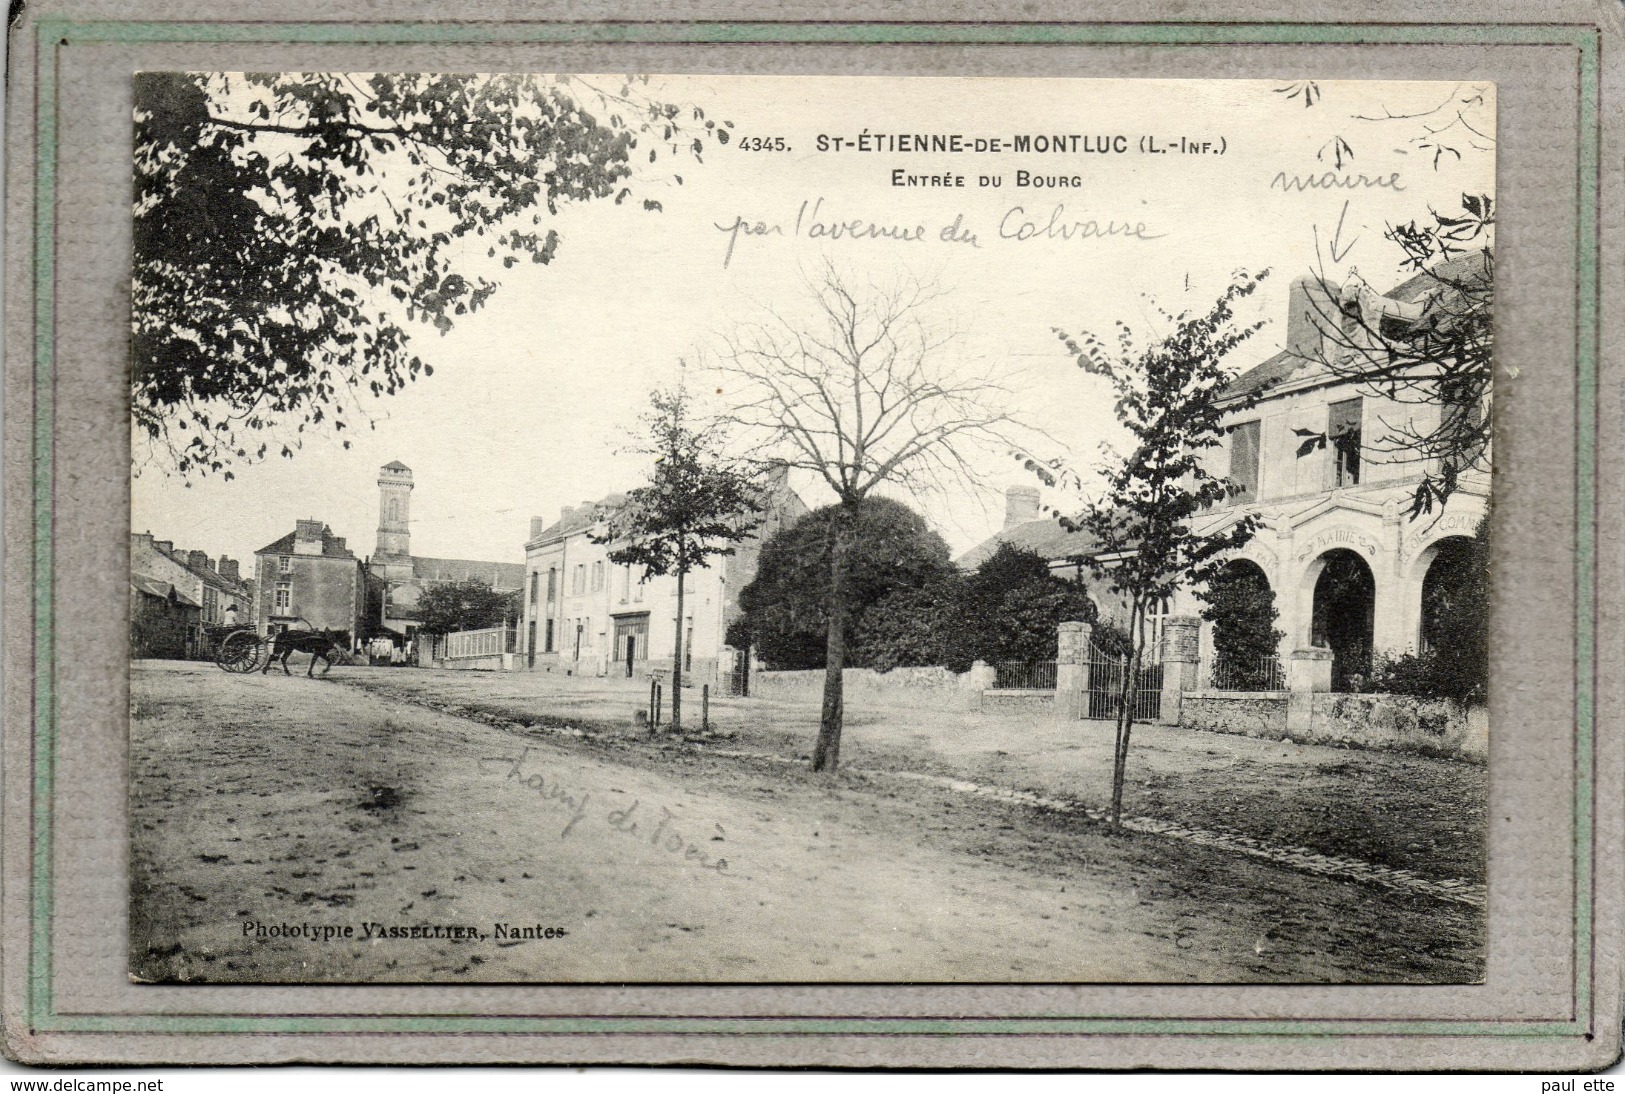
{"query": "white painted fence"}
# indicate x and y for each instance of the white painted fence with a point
(463, 645)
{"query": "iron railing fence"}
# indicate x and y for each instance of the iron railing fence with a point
(1024, 675)
(1261, 673)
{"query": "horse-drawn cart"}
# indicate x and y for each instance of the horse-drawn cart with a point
(242, 651)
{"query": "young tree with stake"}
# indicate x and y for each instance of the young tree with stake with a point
(1169, 399)
(862, 395)
(696, 506)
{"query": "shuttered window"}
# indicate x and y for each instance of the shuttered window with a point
(1244, 461)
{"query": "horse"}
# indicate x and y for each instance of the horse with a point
(322, 645)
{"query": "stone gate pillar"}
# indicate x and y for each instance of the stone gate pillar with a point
(1308, 671)
(1181, 654)
(1072, 670)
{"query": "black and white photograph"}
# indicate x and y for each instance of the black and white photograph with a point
(694, 529)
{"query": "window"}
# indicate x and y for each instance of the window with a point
(1343, 438)
(535, 583)
(284, 564)
(549, 636)
(1244, 461)
(626, 583)
(284, 596)
(597, 576)
(578, 583)
(552, 588)
(1156, 612)
(637, 588)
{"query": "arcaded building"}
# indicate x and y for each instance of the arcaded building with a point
(1318, 461)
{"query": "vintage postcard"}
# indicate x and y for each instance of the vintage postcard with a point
(821, 529)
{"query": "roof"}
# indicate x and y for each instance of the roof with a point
(1045, 537)
(163, 590)
(330, 545)
(501, 576)
(394, 465)
(1277, 369)
(210, 577)
(581, 518)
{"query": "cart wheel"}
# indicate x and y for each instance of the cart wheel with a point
(239, 652)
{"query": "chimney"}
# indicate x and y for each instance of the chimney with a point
(1312, 311)
(566, 513)
(340, 541)
(198, 560)
(307, 537)
(537, 526)
(165, 546)
(776, 477)
(228, 569)
(1020, 505)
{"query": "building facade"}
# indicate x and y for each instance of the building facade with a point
(1319, 464)
(1312, 452)
(310, 580)
(585, 615)
(163, 621)
(213, 586)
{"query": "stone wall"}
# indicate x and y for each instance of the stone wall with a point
(933, 687)
(1433, 727)
(1251, 714)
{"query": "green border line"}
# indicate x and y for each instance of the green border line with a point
(51, 33)
(44, 572)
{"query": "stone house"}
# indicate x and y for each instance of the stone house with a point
(163, 621)
(309, 579)
(216, 587)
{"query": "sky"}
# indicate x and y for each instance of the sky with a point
(534, 401)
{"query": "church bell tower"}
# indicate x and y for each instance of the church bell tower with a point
(394, 514)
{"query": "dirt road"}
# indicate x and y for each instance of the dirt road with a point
(288, 830)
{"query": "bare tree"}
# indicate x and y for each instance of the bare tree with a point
(862, 394)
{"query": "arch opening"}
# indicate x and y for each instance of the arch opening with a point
(1342, 619)
(1241, 606)
(1451, 589)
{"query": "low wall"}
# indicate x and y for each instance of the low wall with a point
(1018, 700)
(1437, 727)
(493, 662)
(933, 687)
(1249, 713)
(1434, 727)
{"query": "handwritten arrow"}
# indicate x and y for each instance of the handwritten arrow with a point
(1337, 235)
